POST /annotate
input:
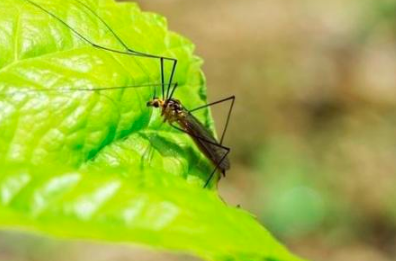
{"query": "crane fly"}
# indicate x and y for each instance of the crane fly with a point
(172, 110)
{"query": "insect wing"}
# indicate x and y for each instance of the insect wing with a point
(206, 141)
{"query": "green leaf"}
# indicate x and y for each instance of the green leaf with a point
(100, 164)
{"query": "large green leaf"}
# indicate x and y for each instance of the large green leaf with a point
(101, 165)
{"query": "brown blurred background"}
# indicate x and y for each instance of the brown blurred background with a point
(313, 131)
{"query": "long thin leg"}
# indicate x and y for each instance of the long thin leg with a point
(108, 27)
(217, 166)
(66, 90)
(128, 51)
(232, 98)
(118, 38)
(173, 90)
(174, 61)
(162, 79)
(215, 144)
(154, 85)
(213, 103)
(169, 95)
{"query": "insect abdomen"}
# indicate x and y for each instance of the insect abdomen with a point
(206, 142)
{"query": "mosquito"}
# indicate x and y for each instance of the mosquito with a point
(172, 110)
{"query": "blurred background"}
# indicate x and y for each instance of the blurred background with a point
(313, 132)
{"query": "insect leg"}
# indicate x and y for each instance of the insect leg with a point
(173, 90)
(117, 37)
(217, 166)
(232, 99)
(227, 151)
(174, 61)
(128, 51)
(169, 95)
(162, 79)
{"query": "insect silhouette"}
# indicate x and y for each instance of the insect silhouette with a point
(172, 109)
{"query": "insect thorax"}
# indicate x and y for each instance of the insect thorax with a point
(172, 110)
